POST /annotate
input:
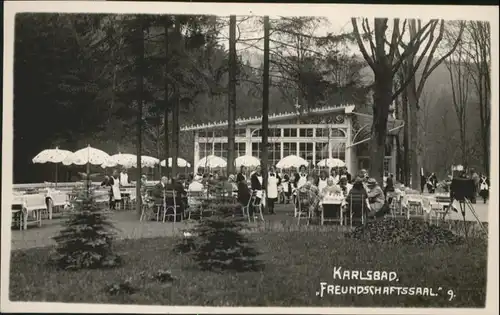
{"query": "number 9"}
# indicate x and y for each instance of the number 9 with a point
(451, 294)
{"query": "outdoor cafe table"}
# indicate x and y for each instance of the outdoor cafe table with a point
(330, 205)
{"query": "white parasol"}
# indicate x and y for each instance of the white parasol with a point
(51, 156)
(331, 162)
(291, 161)
(148, 161)
(211, 161)
(180, 162)
(247, 161)
(87, 156)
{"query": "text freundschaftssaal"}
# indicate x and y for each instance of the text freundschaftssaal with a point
(370, 275)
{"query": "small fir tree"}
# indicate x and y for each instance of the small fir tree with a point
(86, 240)
(220, 243)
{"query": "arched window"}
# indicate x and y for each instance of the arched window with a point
(338, 133)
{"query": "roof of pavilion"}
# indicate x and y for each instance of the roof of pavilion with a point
(347, 109)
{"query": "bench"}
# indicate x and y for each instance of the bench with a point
(32, 207)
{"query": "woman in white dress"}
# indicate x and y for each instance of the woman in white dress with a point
(116, 195)
(334, 176)
(302, 176)
(322, 182)
(273, 181)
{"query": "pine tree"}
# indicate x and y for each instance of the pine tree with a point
(86, 240)
(220, 243)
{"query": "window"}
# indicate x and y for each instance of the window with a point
(338, 150)
(290, 132)
(256, 150)
(219, 133)
(240, 148)
(322, 132)
(321, 151)
(338, 133)
(306, 132)
(387, 165)
(256, 133)
(224, 150)
(218, 149)
(289, 149)
(274, 154)
(240, 132)
(205, 134)
(274, 132)
(306, 151)
(205, 149)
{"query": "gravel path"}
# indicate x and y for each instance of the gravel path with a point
(130, 228)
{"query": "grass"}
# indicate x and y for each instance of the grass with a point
(295, 264)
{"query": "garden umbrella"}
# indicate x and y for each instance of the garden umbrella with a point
(211, 161)
(180, 162)
(291, 161)
(247, 161)
(331, 162)
(148, 161)
(87, 156)
(51, 156)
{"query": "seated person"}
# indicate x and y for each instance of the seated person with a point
(196, 185)
(232, 181)
(312, 193)
(331, 188)
(376, 197)
(357, 198)
(344, 185)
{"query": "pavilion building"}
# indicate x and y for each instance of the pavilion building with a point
(327, 132)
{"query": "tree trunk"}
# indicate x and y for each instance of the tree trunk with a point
(413, 112)
(167, 91)
(406, 138)
(382, 100)
(265, 104)
(175, 103)
(140, 91)
(158, 145)
(231, 110)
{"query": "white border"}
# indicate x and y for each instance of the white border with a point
(447, 12)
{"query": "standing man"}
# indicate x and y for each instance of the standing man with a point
(423, 180)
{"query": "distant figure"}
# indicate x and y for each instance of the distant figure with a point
(331, 188)
(115, 189)
(475, 177)
(273, 181)
(196, 185)
(334, 176)
(256, 185)
(376, 196)
(322, 181)
(423, 180)
(344, 185)
(124, 181)
(302, 176)
(484, 188)
(287, 187)
(241, 175)
(431, 183)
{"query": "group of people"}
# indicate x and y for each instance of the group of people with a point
(115, 182)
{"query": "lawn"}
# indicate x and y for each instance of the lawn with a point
(295, 264)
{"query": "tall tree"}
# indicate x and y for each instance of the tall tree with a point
(140, 86)
(231, 109)
(384, 64)
(477, 44)
(265, 105)
(460, 84)
(424, 48)
(167, 22)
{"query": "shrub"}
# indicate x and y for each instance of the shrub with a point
(86, 240)
(219, 242)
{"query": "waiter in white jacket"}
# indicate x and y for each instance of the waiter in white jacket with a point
(273, 181)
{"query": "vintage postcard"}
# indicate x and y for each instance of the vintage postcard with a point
(249, 158)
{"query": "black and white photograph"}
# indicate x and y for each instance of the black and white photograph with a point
(231, 158)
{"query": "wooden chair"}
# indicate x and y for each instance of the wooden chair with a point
(303, 204)
(257, 205)
(195, 203)
(357, 205)
(147, 207)
(33, 205)
(170, 204)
